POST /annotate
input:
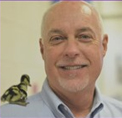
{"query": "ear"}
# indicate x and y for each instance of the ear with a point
(105, 43)
(41, 47)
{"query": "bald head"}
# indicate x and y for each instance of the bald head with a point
(72, 9)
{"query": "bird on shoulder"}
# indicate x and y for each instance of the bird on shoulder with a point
(17, 94)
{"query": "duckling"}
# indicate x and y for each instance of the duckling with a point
(17, 94)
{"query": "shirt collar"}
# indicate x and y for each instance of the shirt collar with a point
(58, 107)
(97, 103)
(52, 101)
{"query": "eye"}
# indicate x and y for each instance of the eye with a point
(57, 39)
(84, 37)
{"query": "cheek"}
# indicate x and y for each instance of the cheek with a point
(50, 58)
(97, 64)
(94, 55)
(52, 54)
(98, 57)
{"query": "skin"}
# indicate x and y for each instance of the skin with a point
(73, 47)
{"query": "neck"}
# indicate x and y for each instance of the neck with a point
(79, 102)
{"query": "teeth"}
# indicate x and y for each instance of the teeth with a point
(72, 67)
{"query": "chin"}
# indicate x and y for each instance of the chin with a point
(74, 85)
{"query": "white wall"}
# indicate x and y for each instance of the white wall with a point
(20, 33)
(111, 80)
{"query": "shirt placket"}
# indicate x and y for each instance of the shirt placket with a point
(63, 109)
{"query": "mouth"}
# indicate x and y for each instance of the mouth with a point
(75, 67)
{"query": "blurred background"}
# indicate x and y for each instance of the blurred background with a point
(20, 53)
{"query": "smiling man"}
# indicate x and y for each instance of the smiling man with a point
(73, 45)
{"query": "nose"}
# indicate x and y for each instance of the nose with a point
(72, 49)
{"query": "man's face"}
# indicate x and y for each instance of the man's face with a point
(72, 50)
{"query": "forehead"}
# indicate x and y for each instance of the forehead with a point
(70, 17)
(64, 9)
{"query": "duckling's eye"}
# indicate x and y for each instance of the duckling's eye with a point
(54, 40)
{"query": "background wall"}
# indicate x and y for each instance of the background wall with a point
(111, 77)
(20, 53)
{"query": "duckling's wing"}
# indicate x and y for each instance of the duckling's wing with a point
(10, 93)
(5, 95)
(22, 87)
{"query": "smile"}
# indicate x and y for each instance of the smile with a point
(73, 67)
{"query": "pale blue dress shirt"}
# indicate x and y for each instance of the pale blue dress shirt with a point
(47, 105)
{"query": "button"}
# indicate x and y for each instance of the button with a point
(65, 108)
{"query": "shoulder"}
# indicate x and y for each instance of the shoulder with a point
(112, 101)
(112, 104)
(36, 107)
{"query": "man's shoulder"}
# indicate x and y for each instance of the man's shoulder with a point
(36, 107)
(112, 104)
(111, 100)
(31, 101)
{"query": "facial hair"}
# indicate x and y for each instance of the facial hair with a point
(74, 84)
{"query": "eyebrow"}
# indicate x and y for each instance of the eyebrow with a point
(57, 31)
(84, 29)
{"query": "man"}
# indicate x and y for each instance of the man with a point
(73, 46)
